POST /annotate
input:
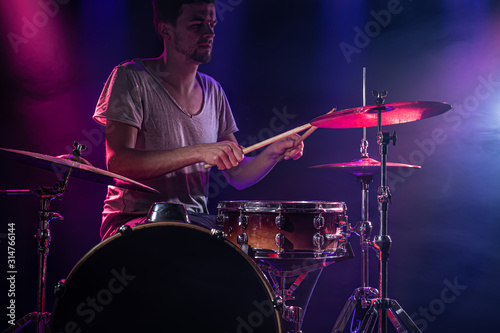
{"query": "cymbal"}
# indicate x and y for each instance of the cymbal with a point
(364, 167)
(392, 113)
(78, 170)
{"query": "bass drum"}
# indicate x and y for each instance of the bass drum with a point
(165, 277)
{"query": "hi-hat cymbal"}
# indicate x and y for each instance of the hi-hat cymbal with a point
(392, 113)
(78, 170)
(363, 167)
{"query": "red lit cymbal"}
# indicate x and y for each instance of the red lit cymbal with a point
(392, 113)
(364, 166)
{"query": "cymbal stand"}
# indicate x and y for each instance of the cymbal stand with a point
(361, 298)
(46, 194)
(384, 307)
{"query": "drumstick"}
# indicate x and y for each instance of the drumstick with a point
(270, 140)
(305, 135)
(275, 138)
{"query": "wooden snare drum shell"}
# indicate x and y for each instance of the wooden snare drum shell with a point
(298, 228)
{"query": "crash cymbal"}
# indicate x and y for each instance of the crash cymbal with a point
(78, 170)
(392, 113)
(364, 167)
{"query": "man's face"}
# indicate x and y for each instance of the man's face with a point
(194, 32)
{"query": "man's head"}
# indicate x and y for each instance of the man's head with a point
(170, 10)
(186, 27)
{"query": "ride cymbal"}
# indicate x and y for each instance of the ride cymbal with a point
(391, 113)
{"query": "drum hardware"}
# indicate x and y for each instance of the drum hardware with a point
(167, 211)
(125, 230)
(290, 313)
(319, 221)
(279, 240)
(68, 165)
(242, 239)
(318, 240)
(279, 221)
(369, 116)
(217, 234)
(294, 314)
(243, 220)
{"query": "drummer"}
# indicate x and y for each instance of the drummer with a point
(165, 120)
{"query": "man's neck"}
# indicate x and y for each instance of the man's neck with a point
(180, 75)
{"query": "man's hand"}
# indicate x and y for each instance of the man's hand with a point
(224, 154)
(288, 148)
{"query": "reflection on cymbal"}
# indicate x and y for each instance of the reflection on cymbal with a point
(391, 113)
(78, 170)
(363, 167)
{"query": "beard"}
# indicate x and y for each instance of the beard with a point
(192, 52)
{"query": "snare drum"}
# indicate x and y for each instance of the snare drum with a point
(287, 229)
(165, 276)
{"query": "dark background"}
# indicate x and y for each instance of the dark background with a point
(300, 59)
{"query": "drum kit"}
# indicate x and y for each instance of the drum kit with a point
(234, 278)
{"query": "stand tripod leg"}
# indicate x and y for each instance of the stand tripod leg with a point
(400, 319)
(369, 321)
(360, 308)
(395, 313)
(18, 325)
(345, 315)
(33, 316)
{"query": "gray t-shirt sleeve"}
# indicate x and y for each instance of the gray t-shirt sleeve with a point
(227, 124)
(120, 99)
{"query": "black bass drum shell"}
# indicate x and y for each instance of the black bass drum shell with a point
(165, 277)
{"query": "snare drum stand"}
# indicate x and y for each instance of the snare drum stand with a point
(361, 299)
(289, 313)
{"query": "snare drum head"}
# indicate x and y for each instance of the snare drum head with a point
(164, 277)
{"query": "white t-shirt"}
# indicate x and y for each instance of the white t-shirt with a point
(134, 95)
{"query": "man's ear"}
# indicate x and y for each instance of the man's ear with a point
(165, 30)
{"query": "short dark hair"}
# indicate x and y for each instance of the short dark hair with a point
(170, 10)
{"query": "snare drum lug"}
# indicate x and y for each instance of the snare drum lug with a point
(279, 240)
(319, 221)
(279, 221)
(242, 238)
(243, 221)
(318, 240)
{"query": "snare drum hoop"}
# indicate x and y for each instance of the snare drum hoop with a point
(104, 244)
(258, 206)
